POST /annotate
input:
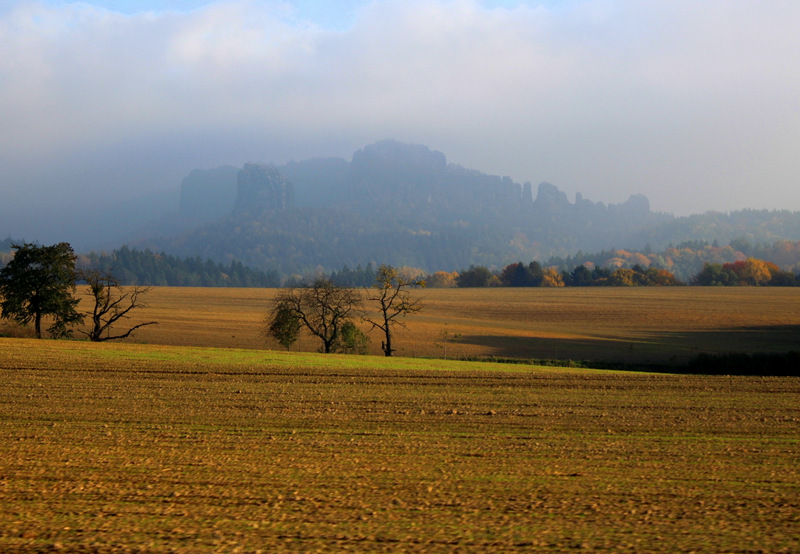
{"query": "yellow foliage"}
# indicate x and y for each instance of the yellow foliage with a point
(623, 277)
(552, 278)
(756, 272)
(442, 279)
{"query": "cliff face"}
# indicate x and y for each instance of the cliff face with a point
(262, 188)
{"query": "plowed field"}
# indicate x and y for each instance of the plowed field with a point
(133, 448)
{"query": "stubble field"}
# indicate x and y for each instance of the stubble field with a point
(638, 325)
(174, 448)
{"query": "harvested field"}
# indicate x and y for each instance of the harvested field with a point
(642, 325)
(132, 448)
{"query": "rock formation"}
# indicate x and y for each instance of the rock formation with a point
(262, 188)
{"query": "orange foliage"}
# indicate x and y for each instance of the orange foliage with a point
(752, 271)
(661, 277)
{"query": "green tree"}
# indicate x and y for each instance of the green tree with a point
(39, 282)
(474, 277)
(322, 308)
(713, 275)
(352, 340)
(393, 297)
(581, 276)
(283, 325)
(111, 304)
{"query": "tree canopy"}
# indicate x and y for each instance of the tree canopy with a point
(39, 282)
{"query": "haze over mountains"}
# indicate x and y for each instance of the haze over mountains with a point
(404, 204)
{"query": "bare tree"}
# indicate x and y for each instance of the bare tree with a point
(111, 304)
(394, 299)
(322, 308)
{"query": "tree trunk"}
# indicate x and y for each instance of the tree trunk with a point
(38, 325)
(387, 346)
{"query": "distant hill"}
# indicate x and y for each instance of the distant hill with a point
(404, 204)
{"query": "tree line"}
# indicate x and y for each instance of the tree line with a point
(144, 267)
(749, 272)
(687, 258)
(676, 265)
(534, 275)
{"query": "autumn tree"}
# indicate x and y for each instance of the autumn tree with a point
(622, 277)
(660, 277)
(112, 304)
(757, 272)
(322, 308)
(39, 282)
(391, 292)
(552, 278)
(442, 279)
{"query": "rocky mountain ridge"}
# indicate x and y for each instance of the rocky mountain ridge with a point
(404, 204)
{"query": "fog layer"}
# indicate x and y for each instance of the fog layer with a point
(693, 104)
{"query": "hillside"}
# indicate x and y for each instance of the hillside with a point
(406, 205)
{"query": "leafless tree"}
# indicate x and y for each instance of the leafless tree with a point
(394, 299)
(111, 304)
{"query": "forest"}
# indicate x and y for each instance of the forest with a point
(693, 263)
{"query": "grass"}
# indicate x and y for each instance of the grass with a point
(131, 448)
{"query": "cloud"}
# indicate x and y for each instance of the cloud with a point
(691, 103)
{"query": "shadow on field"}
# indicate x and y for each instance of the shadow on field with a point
(649, 347)
(632, 351)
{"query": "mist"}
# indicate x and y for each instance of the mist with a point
(102, 112)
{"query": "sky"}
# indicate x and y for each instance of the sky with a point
(693, 104)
